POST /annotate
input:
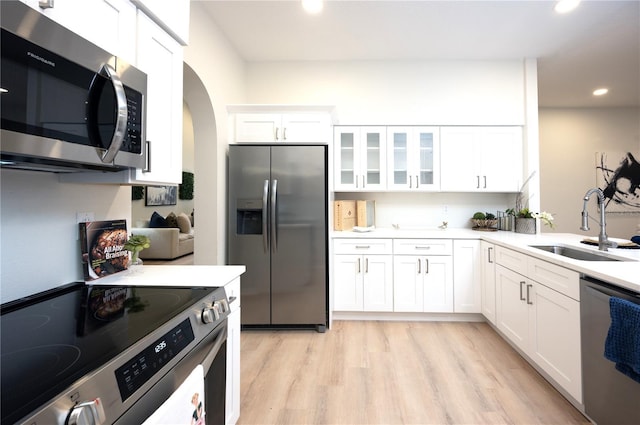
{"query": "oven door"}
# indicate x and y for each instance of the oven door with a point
(191, 392)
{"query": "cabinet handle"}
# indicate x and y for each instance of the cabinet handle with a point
(363, 185)
(522, 282)
(359, 270)
(477, 182)
(410, 182)
(485, 181)
(147, 168)
(366, 265)
(276, 139)
(417, 182)
(528, 297)
(419, 266)
(284, 133)
(426, 266)
(489, 254)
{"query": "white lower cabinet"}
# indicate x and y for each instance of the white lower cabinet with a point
(363, 277)
(543, 322)
(232, 403)
(422, 283)
(488, 266)
(467, 276)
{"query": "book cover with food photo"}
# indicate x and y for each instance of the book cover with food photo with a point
(102, 246)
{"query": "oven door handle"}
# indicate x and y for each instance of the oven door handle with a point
(213, 352)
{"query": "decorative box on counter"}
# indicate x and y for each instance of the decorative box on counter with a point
(344, 215)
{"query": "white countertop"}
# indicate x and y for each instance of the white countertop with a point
(622, 273)
(167, 275)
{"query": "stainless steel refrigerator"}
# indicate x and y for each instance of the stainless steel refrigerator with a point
(278, 228)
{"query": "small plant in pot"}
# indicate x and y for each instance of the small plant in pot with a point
(484, 221)
(135, 244)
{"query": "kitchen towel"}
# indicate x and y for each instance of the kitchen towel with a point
(622, 345)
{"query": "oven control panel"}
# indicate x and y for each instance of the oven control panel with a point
(136, 372)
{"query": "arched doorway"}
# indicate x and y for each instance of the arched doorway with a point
(207, 196)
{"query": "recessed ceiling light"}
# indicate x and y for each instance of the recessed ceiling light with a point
(312, 6)
(600, 92)
(564, 6)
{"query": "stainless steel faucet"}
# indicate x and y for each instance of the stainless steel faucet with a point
(603, 241)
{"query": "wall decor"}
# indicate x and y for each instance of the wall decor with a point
(618, 175)
(137, 193)
(185, 190)
(161, 195)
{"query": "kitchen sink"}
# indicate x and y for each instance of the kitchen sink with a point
(577, 254)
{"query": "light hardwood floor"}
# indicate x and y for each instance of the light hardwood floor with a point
(367, 372)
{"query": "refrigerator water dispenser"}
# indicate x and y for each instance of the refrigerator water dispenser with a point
(249, 217)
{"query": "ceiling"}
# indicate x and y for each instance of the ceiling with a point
(598, 44)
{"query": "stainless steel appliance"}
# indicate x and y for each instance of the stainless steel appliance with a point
(278, 229)
(110, 355)
(67, 105)
(610, 397)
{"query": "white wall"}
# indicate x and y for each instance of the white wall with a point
(403, 92)
(138, 209)
(39, 247)
(569, 140)
(215, 78)
(429, 210)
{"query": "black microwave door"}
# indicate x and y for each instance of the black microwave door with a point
(101, 112)
(43, 93)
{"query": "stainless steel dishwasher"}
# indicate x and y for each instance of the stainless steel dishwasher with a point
(610, 397)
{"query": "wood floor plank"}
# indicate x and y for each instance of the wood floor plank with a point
(369, 372)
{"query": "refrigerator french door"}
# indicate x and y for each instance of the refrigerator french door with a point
(278, 229)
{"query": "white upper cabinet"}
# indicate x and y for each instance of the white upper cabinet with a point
(109, 24)
(481, 159)
(171, 15)
(359, 162)
(291, 127)
(413, 158)
(161, 58)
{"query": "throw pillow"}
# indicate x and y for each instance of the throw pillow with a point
(157, 220)
(184, 223)
(172, 220)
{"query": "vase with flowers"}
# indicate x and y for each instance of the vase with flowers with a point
(526, 220)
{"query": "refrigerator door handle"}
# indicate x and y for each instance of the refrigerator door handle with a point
(274, 211)
(265, 232)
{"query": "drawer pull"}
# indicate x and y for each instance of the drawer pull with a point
(363, 246)
(423, 247)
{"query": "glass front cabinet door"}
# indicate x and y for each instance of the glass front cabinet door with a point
(413, 158)
(359, 161)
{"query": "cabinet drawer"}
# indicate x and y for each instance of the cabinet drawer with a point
(512, 260)
(362, 246)
(422, 246)
(558, 278)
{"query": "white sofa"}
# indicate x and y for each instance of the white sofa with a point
(166, 243)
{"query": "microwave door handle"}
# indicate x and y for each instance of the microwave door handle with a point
(121, 120)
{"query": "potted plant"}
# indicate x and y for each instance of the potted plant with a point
(484, 221)
(526, 220)
(135, 244)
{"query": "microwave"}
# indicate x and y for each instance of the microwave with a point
(66, 104)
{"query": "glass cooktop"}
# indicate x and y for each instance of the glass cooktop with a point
(51, 339)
